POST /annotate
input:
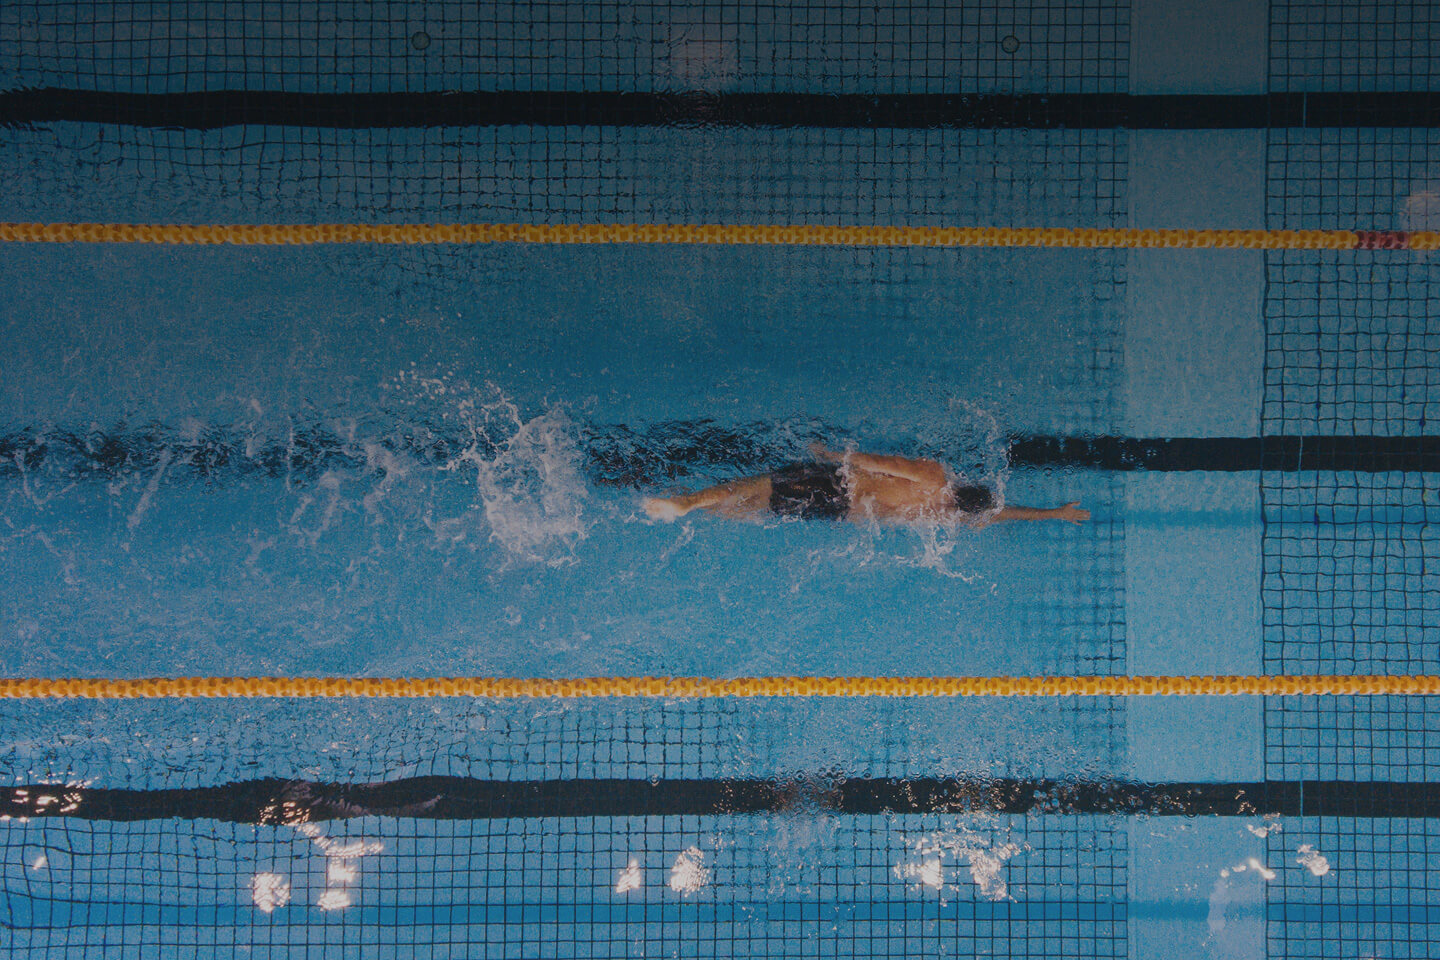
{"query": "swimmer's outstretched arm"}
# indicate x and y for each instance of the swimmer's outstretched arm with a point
(1070, 513)
(920, 471)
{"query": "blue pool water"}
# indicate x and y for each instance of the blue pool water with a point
(498, 555)
(357, 460)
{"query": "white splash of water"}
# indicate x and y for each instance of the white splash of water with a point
(1260, 868)
(982, 857)
(1312, 860)
(986, 863)
(630, 878)
(928, 873)
(333, 900)
(689, 873)
(938, 547)
(340, 871)
(342, 863)
(527, 478)
(351, 850)
(268, 891)
(1272, 825)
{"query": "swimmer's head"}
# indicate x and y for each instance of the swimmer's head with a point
(971, 499)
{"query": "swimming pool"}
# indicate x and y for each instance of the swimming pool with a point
(365, 460)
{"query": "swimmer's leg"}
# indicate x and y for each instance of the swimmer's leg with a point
(745, 499)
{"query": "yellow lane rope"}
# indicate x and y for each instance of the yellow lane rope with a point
(785, 235)
(697, 687)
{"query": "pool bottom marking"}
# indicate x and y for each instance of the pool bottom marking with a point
(291, 802)
(663, 452)
(697, 108)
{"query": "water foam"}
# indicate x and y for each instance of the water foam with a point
(527, 477)
(982, 857)
(1313, 860)
(689, 873)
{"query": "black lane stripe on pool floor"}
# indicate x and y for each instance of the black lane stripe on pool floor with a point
(205, 110)
(458, 798)
(1360, 454)
(617, 456)
(672, 451)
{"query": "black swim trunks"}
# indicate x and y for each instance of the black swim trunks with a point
(810, 491)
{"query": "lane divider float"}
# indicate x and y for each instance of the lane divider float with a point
(720, 234)
(503, 688)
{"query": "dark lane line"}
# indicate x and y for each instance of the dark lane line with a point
(664, 452)
(458, 798)
(1361, 454)
(206, 110)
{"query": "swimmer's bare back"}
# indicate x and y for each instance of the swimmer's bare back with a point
(859, 486)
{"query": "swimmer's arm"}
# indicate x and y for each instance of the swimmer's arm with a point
(1070, 513)
(920, 471)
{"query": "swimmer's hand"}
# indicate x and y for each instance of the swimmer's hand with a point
(819, 451)
(1071, 513)
(659, 508)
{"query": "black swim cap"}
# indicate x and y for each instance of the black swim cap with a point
(970, 498)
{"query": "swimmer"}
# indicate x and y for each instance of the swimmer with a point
(856, 486)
